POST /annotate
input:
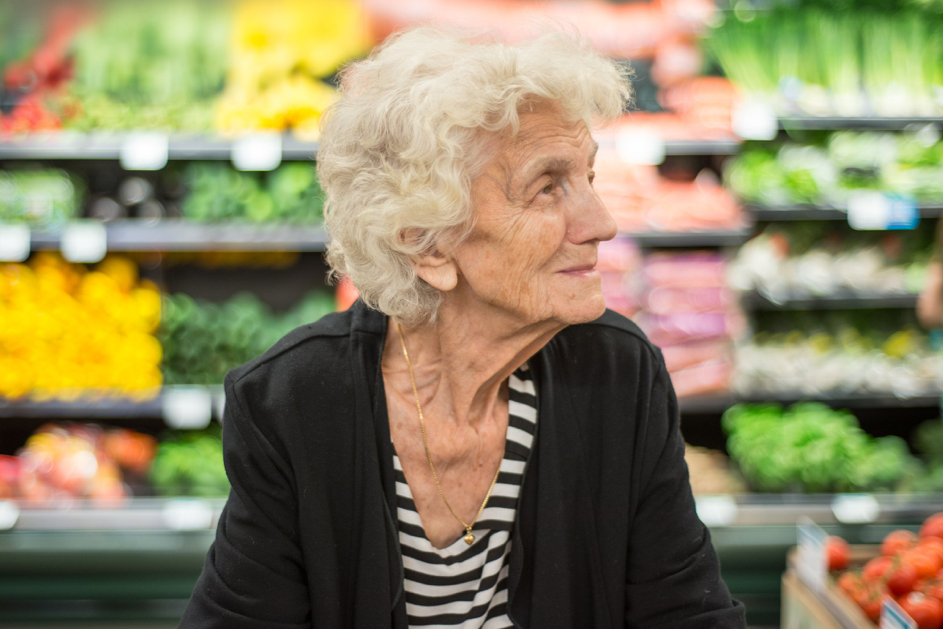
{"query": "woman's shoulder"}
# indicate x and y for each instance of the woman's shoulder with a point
(306, 347)
(612, 335)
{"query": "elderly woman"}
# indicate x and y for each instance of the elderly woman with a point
(477, 442)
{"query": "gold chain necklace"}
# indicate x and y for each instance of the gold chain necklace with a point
(469, 538)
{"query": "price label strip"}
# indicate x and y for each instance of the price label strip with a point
(894, 617)
(187, 407)
(716, 510)
(258, 151)
(84, 241)
(856, 508)
(812, 558)
(144, 150)
(186, 514)
(14, 242)
(635, 146)
(875, 210)
(9, 514)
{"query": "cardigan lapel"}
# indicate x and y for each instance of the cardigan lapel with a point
(556, 574)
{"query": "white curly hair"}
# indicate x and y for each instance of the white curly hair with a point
(415, 123)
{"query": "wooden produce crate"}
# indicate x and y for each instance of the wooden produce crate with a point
(830, 608)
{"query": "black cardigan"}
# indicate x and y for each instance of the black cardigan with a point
(606, 532)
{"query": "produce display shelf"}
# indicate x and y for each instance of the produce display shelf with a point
(181, 235)
(157, 407)
(826, 123)
(756, 300)
(196, 514)
(716, 404)
(821, 213)
(109, 146)
(721, 238)
(107, 406)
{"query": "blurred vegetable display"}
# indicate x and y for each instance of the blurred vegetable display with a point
(63, 462)
(812, 448)
(202, 341)
(36, 67)
(689, 312)
(151, 65)
(43, 197)
(826, 172)
(289, 194)
(640, 199)
(710, 472)
(70, 332)
(190, 464)
(281, 51)
(838, 353)
(818, 258)
(853, 58)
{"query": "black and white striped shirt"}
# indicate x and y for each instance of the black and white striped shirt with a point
(461, 585)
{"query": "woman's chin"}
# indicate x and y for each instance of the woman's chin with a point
(583, 309)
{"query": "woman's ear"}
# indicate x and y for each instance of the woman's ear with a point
(437, 270)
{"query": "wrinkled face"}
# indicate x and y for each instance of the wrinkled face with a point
(532, 253)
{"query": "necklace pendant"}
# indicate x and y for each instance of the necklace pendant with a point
(469, 538)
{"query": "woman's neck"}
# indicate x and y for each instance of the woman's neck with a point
(464, 358)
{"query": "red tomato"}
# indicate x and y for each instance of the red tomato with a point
(924, 560)
(932, 543)
(869, 599)
(926, 611)
(933, 588)
(876, 568)
(898, 541)
(838, 553)
(933, 526)
(901, 579)
(851, 584)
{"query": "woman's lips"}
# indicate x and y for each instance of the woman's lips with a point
(584, 270)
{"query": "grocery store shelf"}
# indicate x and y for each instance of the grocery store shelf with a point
(106, 406)
(725, 238)
(756, 300)
(201, 514)
(182, 235)
(820, 213)
(134, 514)
(108, 146)
(179, 235)
(826, 123)
(702, 147)
(716, 404)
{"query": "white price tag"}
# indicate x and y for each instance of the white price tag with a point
(868, 210)
(894, 617)
(259, 151)
(84, 241)
(716, 510)
(637, 146)
(187, 407)
(14, 242)
(872, 209)
(755, 120)
(144, 150)
(220, 406)
(186, 514)
(9, 514)
(812, 556)
(855, 508)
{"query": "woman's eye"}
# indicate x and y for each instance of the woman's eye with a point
(548, 189)
(592, 177)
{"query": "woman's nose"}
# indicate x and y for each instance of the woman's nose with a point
(589, 220)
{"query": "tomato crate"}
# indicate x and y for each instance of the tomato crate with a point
(828, 608)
